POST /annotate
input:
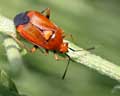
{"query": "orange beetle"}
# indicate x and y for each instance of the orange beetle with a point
(37, 28)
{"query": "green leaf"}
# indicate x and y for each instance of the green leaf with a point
(7, 85)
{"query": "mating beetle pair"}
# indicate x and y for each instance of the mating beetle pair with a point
(37, 28)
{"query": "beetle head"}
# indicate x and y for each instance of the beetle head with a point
(63, 47)
(21, 19)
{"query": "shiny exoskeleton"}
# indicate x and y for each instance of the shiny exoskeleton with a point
(38, 29)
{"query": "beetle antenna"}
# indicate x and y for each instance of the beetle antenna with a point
(64, 74)
(91, 48)
(74, 50)
(71, 49)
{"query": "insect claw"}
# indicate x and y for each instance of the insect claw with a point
(33, 50)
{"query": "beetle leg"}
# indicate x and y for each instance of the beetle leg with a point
(34, 48)
(58, 58)
(22, 45)
(46, 52)
(69, 36)
(47, 12)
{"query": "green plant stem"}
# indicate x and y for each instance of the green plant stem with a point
(84, 57)
(95, 62)
(11, 47)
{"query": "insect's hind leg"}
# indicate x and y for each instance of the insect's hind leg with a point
(47, 12)
(24, 46)
(34, 48)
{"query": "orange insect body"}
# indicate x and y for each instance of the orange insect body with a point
(39, 30)
(36, 28)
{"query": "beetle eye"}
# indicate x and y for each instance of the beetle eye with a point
(21, 19)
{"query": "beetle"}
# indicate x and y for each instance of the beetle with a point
(37, 28)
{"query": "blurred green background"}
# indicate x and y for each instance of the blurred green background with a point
(92, 23)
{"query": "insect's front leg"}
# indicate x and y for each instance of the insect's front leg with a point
(69, 36)
(68, 58)
(59, 58)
